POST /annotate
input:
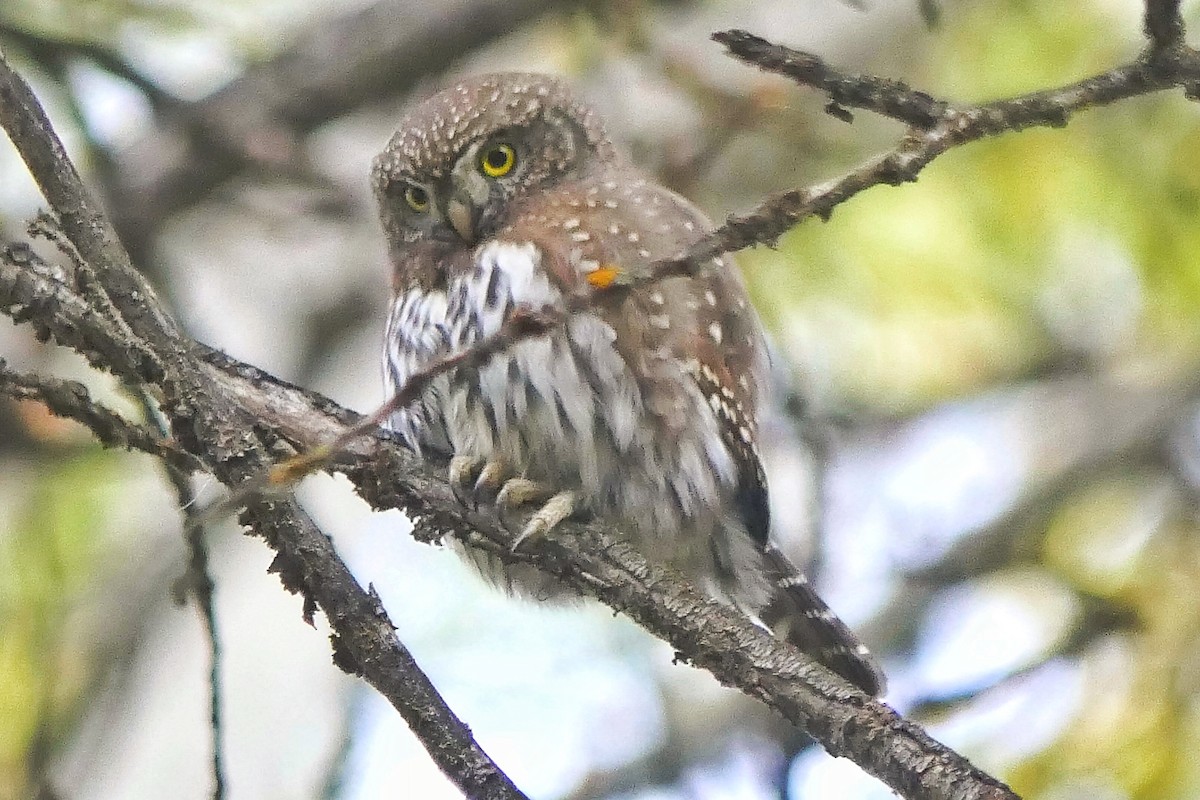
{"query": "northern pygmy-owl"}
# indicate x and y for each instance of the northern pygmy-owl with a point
(505, 190)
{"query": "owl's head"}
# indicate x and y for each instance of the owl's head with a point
(461, 157)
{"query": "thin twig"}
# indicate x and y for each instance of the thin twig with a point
(1163, 24)
(954, 127)
(521, 324)
(38, 292)
(197, 582)
(71, 400)
(887, 97)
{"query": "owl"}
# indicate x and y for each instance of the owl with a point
(504, 191)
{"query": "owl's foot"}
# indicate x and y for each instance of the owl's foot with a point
(463, 472)
(520, 492)
(558, 508)
(516, 496)
(491, 480)
(477, 481)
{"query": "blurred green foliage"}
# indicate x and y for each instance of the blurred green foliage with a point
(958, 284)
(50, 558)
(96, 21)
(937, 289)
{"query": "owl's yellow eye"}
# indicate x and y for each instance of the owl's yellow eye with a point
(498, 160)
(417, 198)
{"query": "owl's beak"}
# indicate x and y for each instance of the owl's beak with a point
(462, 219)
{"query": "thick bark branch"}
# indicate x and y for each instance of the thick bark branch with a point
(592, 559)
(216, 430)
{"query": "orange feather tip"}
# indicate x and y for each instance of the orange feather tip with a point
(603, 277)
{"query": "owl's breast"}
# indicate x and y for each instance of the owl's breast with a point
(565, 409)
(539, 403)
(425, 324)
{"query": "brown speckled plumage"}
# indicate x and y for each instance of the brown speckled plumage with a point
(643, 411)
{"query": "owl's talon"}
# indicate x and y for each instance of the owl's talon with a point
(519, 492)
(545, 519)
(462, 474)
(491, 480)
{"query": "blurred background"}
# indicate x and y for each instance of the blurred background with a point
(987, 447)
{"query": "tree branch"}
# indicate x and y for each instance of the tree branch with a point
(886, 97)
(197, 582)
(88, 230)
(930, 136)
(218, 432)
(71, 400)
(228, 416)
(365, 643)
(591, 559)
(1163, 24)
(222, 404)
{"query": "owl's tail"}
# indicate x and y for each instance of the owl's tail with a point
(798, 616)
